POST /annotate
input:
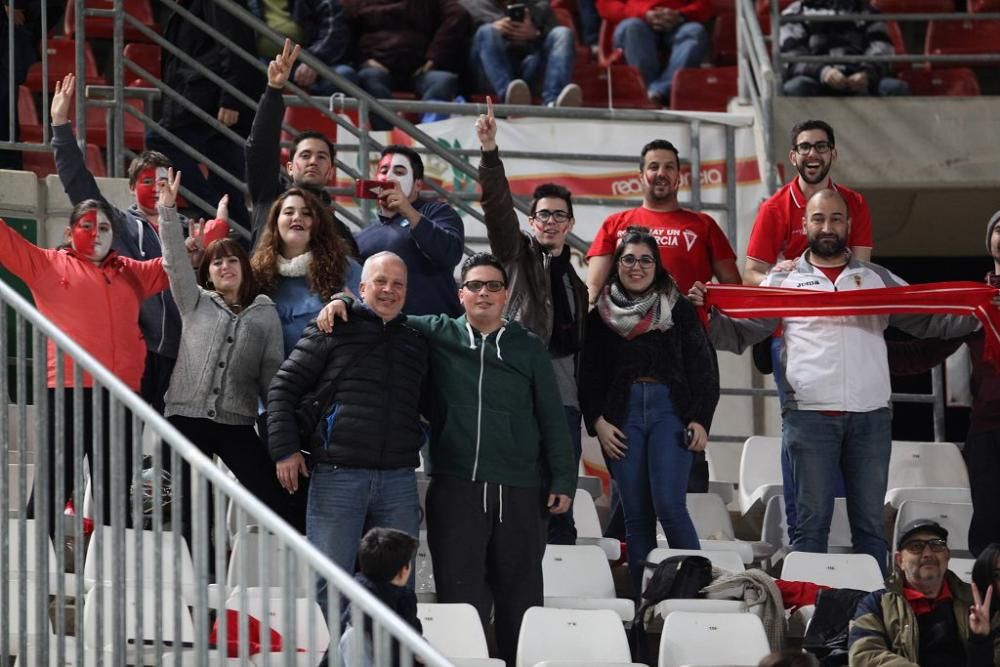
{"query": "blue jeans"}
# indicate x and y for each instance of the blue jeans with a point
(859, 444)
(344, 503)
(562, 528)
(590, 21)
(687, 43)
(807, 86)
(436, 85)
(653, 476)
(496, 66)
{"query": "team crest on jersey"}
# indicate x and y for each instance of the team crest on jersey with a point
(689, 238)
(857, 281)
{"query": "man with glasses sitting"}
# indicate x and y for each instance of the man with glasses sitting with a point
(546, 296)
(926, 615)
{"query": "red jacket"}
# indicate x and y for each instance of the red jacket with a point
(97, 306)
(616, 11)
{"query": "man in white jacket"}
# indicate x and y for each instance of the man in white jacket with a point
(837, 390)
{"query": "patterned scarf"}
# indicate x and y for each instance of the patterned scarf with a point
(630, 317)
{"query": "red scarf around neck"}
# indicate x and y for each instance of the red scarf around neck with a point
(952, 298)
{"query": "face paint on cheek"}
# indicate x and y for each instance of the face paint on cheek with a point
(145, 193)
(84, 239)
(394, 161)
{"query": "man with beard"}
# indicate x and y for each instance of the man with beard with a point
(692, 246)
(778, 232)
(835, 380)
(925, 615)
(427, 234)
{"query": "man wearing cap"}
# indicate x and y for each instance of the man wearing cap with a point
(926, 615)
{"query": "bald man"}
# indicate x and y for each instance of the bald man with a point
(835, 379)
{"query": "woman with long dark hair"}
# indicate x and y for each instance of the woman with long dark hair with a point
(649, 384)
(986, 576)
(230, 349)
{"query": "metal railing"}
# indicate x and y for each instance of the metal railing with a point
(139, 593)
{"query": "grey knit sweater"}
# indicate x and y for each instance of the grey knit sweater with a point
(225, 360)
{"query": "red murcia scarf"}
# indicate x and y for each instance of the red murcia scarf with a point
(951, 298)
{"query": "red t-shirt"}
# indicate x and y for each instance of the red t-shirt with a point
(832, 272)
(777, 232)
(689, 241)
(924, 605)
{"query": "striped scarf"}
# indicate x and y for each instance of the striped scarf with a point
(951, 298)
(630, 317)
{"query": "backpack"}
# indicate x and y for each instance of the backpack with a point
(828, 630)
(675, 578)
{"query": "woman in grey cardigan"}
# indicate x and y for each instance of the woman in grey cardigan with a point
(230, 348)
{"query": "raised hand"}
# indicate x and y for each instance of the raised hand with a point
(979, 612)
(222, 210)
(486, 127)
(62, 100)
(279, 68)
(167, 195)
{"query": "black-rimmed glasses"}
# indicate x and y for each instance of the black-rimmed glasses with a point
(478, 285)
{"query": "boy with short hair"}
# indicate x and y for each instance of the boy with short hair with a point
(384, 559)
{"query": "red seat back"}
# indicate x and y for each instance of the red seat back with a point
(628, 90)
(146, 56)
(43, 164)
(963, 38)
(724, 40)
(62, 60)
(984, 6)
(27, 117)
(955, 82)
(703, 89)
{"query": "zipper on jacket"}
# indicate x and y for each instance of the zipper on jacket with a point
(479, 413)
(386, 383)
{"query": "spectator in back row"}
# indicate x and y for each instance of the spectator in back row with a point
(833, 39)
(926, 615)
(311, 166)
(427, 234)
(649, 29)
(510, 54)
(408, 45)
(318, 24)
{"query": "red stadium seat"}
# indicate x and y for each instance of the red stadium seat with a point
(703, 89)
(62, 60)
(97, 126)
(963, 38)
(976, 6)
(146, 56)
(627, 87)
(721, 7)
(724, 40)
(956, 82)
(898, 45)
(914, 6)
(44, 164)
(99, 27)
(27, 117)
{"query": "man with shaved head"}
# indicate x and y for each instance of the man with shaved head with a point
(835, 380)
(364, 381)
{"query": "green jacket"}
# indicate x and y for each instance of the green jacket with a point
(494, 407)
(884, 630)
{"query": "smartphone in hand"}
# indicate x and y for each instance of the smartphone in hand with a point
(368, 189)
(516, 12)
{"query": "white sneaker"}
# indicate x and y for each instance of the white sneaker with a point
(517, 93)
(571, 96)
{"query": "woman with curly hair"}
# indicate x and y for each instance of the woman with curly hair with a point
(301, 261)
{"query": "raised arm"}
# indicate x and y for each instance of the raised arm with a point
(76, 179)
(502, 229)
(20, 256)
(183, 284)
(263, 149)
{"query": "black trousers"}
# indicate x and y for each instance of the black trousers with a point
(487, 544)
(982, 455)
(241, 450)
(156, 379)
(115, 456)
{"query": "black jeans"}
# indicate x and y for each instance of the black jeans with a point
(115, 456)
(487, 550)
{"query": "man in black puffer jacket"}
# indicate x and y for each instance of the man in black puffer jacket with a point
(365, 446)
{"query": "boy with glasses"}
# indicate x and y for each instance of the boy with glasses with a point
(546, 294)
(926, 615)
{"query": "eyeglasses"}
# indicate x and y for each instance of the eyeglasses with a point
(917, 546)
(478, 285)
(820, 147)
(629, 261)
(557, 217)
